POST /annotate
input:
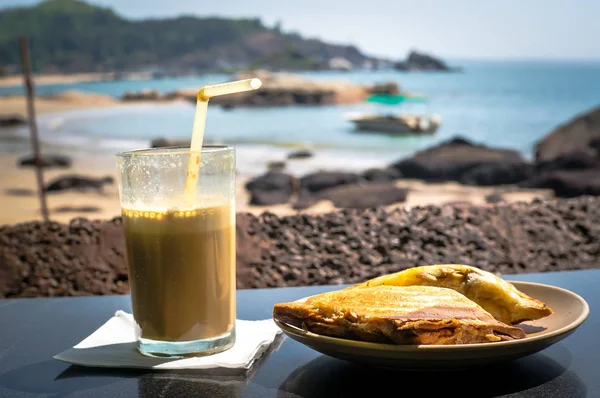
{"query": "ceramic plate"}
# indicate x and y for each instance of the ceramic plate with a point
(570, 310)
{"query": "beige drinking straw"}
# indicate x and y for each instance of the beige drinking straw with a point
(204, 95)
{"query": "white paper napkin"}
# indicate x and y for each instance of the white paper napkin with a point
(113, 346)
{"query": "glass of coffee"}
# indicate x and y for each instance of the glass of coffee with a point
(180, 255)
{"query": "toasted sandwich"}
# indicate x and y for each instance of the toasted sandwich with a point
(495, 295)
(421, 315)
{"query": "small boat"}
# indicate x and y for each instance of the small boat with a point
(395, 124)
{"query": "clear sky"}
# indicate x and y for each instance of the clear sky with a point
(556, 29)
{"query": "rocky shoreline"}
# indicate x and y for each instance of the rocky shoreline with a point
(567, 162)
(278, 89)
(418, 61)
(87, 257)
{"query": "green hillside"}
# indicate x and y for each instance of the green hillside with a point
(73, 36)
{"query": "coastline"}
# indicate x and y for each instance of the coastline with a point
(63, 102)
(17, 193)
(92, 152)
(16, 80)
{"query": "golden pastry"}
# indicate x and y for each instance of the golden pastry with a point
(495, 295)
(397, 315)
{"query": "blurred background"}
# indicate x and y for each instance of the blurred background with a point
(404, 103)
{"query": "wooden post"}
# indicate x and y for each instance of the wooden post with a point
(35, 144)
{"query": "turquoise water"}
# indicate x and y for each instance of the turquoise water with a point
(508, 105)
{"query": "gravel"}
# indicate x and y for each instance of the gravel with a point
(87, 257)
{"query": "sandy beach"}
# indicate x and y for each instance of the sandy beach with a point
(20, 202)
(65, 101)
(16, 80)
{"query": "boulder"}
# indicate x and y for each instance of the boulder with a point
(19, 192)
(304, 201)
(269, 198)
(366, 195)
(494, 198)
(48, 161)
(580, 134)
(567, 183)
(497, 174)
(576, 160)
(77, 209)
(421, 61)
(595, 144)
(276, 97)
(272, 181)
(12, 121)
(271, 188)
(451, 160)
(143, 95)
(356, 196)
(300, 154)
(161, 142)
(276, 165)
(79, 183)
(321, 180)
(382, 175)
(384, 88)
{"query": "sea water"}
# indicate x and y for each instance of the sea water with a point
(500, 104)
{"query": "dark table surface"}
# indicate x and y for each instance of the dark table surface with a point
(33, 330)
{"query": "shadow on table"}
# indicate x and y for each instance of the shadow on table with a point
(539, 374)
(42, 378)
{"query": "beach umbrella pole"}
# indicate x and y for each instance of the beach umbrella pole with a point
(35, 144)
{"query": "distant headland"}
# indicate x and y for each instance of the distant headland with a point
(72, 36)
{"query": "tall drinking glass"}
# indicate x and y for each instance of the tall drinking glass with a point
(181, 257)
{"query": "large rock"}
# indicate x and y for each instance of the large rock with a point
(382, 175)
(301, 154)
(12, 121)
(576, 160)
(321, 180)
(419, 61)
(276, 97)
(79, 183)
(580, 134)
(384, 88)
(568, 159)
(269, 198)
(272, 188)
(567, 183)
(595, 144)
(143, 95)
(497, 174)
(454, 159)
(356, 196)
(276, 165)
(48, 161)
(161, 142)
